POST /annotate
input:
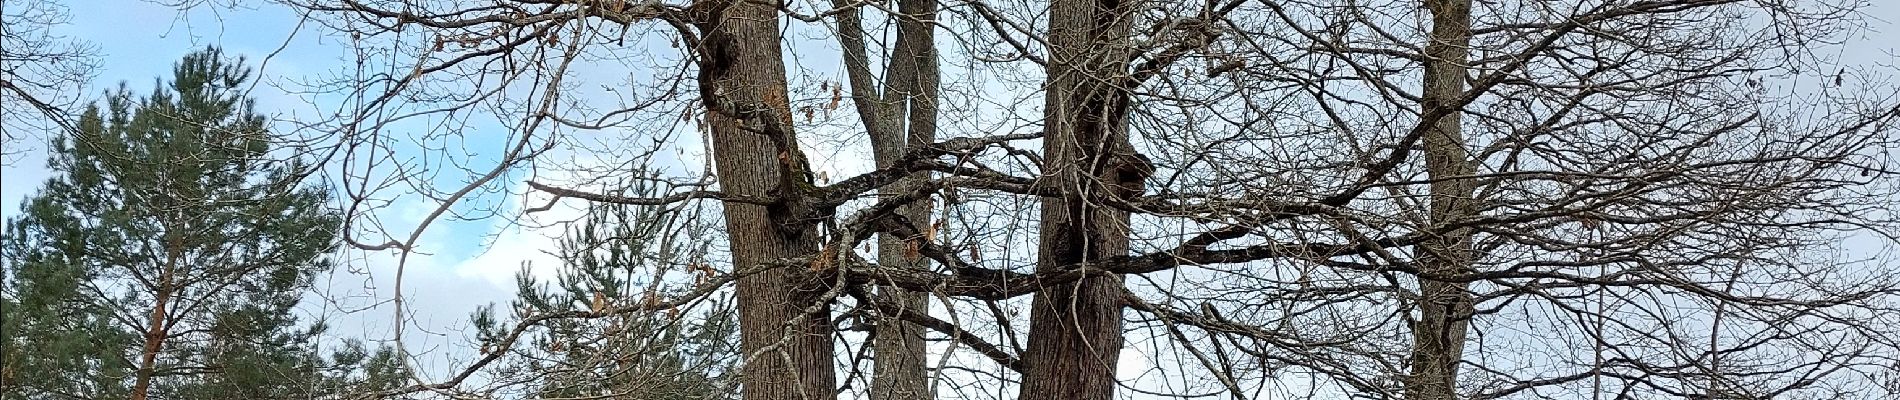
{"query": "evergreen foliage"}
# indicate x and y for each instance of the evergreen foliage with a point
(167, 255)
(621, 256)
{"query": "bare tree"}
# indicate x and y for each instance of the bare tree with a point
(42, 73)
(1395, 199)
(1076, 328)
(1444, 307)
(784, 324)
(899, 118)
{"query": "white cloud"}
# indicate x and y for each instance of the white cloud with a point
(357, 299)
(527, 242)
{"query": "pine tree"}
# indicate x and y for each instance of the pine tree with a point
(166, 255)
(621, 256)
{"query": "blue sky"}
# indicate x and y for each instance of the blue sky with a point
(138, 42)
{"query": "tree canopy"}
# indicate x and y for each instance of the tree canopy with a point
(167, 255)
(1067, 199)
(1434, 199)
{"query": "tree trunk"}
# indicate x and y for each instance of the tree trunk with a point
(742, 82)
(1444, 307)
(154, 337)
(155, 333)
(902, 117)
(910, 97)
(1076, 329)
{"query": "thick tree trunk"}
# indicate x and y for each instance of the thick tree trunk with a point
(742, 81)
(1444, 307)
(910, 102)
(1076, 329)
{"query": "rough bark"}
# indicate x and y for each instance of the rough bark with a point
(1444, 307)
(1076, 329)
(742, 82)
(902, 118)
(910, 94)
